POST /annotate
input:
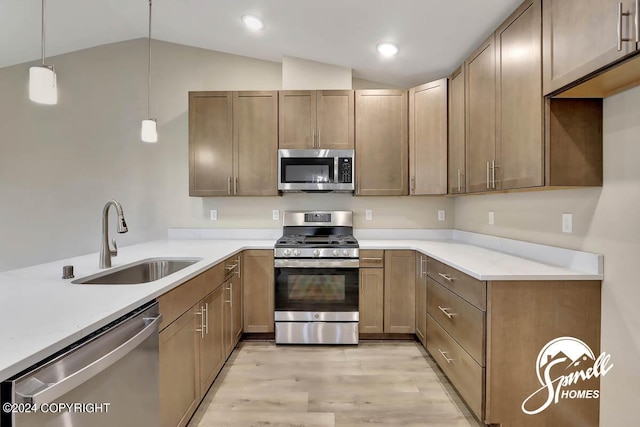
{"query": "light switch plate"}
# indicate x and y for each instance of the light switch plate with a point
(368, 215)
(567, 223)
(441, 215)
(275, 214)
(213, 215)
(492, 218)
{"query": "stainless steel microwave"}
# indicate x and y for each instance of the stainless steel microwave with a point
(316, 170)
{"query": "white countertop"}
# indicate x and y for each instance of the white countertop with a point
(41, 313)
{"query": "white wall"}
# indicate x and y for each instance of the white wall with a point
(302, 74)
(606, 221)
(60, 164)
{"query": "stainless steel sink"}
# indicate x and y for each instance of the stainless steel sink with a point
(144, 271)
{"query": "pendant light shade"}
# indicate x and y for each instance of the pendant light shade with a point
(43, 86)
(149, 130)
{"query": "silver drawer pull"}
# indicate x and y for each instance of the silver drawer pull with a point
(446, 276)
(371, 259)
(444, 354)
(231, 267)
(444, 310)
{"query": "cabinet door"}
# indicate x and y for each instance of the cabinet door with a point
(227, 320)
(211, 343)
(381, 143)
(580, 36)
(421, 298)
(179, 385)
(257, 273)
(480, 70)
(297, 119)
(335, 119)
(210, 143)
(371, 301)
(519, 103)
(399, 292)
(255, 142)
(237, 304)
(428, 138)
(456, 133)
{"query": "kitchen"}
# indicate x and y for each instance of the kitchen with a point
(49, 214)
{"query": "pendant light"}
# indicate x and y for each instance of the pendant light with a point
(149, 131)
(43, 87)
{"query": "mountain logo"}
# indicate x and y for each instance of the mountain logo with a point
(580, 364)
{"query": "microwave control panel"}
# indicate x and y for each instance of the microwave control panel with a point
(345, 169)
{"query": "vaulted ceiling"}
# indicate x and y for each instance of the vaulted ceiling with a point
(434, 36)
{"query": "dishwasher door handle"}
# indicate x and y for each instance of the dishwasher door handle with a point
(82, 375)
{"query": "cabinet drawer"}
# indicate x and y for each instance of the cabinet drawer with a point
(472, 290)
(463, 372)
(371, 258)
(178, 300)
(464, 322)
(231, 266)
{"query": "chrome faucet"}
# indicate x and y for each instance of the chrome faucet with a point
(105, 251)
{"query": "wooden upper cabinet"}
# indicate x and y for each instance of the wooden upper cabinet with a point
(428, 138)
(381, 143)
(233, 143)
(519, 103)
(255, 143)
(297, 119)
(210, 143)
(480, 70)
(335, 122)
(316, 119)
(456, 156)
(581, 36)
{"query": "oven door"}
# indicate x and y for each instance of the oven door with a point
(316, 286)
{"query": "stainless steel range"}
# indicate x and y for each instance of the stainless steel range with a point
(316, 279)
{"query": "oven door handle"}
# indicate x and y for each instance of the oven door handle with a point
(317, 263)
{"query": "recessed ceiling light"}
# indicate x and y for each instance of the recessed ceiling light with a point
(252, 22)
(387, 49)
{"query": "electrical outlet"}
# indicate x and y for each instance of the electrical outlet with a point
(368, 215)
(275, 214)
(567, 223)
(441, 215)
(213, 215)
(492, 218)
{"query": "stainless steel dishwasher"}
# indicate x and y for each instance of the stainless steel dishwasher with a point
(108, 379)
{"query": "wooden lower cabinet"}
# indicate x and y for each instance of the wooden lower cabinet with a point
(421, 298)
(179, 385)
(237, 306)
(371, 300)
(399, 291)
(258, 290)
(211, 340)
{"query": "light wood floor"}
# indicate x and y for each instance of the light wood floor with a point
(383, 384)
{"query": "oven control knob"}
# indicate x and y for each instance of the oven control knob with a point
(287, 252)
(335, 252)
(345, 252)
(316, 252)
(296, 252)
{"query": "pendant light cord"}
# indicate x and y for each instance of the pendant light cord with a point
(149, 67)
(43, 27)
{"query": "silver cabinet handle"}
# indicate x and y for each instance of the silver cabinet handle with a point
(201, 328)
(444, 354)
(231, 295)
(459, 180)
(493, 174)
(318, 145)
(371, 259)
(228, 289)
(228, 186)
(73, 380)
(238, 264)
(235, 185)
(313, 138)
(620, 15)
(423, 269)
(231, 267)
(637, 21)
(206, 318)
(446, 277)
(488, 175)
(445, 310)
